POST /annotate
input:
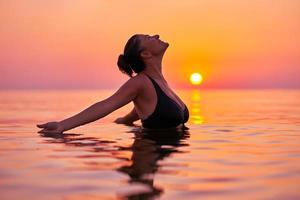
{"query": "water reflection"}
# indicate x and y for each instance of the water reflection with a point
(196, 116)
(147, 149)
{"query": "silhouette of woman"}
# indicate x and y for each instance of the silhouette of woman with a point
(155, 103)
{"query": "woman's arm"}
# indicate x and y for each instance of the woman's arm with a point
(129, 118)
(123, 96)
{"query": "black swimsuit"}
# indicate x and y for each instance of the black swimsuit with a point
(167, 113)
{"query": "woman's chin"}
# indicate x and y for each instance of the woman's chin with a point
(165, 43)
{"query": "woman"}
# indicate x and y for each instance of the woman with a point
(155, 103)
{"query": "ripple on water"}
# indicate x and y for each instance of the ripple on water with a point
(224, 130)
(246, 147)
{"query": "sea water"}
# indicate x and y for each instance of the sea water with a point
(241, 144)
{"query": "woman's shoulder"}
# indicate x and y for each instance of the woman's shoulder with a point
(141, 81)
(136, 82)
(139, 78)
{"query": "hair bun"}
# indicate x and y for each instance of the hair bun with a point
(122, 61)
(124, 65)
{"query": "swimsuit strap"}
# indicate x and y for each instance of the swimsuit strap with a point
(161, 92)
(167, 112)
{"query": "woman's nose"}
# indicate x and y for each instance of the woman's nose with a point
(156, 36)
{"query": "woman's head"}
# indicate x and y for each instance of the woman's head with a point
(138, 49)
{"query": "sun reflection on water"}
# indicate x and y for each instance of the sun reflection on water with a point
(196, 112)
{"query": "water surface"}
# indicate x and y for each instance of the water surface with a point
(241, 144)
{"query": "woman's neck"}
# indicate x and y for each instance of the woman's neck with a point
(153, 71)
(154, 68)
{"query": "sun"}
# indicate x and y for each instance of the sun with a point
(196, 78)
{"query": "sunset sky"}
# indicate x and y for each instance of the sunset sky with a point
(70, 44)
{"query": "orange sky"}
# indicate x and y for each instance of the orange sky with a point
(62, 44)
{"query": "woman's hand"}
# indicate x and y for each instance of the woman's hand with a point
(121, 120)
(51, 127)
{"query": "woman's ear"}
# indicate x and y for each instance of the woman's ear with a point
(146, 54)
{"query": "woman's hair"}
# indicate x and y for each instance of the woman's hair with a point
(131, 60)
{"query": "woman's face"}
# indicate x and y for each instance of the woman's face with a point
(152, 44)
